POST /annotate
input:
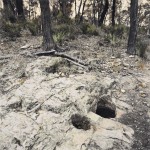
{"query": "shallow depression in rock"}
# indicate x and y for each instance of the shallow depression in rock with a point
(80, 122)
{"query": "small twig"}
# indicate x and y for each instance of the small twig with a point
(5, 57)
(36, 108)
(77, 64)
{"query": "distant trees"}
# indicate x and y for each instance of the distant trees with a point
(62, 9)
(133, 27)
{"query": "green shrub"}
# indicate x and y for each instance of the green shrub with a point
(90, 29)
(11, 30)
(59, 37)
(142, 30)
(119, 31)
(61, 28)
(66, 31)
(141, 47)
(63, 19)
(34, 26)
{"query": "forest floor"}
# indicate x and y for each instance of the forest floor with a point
(131, 93)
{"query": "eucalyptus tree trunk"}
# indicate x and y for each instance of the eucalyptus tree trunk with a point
(82, 13)
(80, 7)
(75, 2)
(133, 27)
(94, 12)
(48, 41)
(9, 11)
(104, 12)
(148, 30)
(62, 4)
(20, 11)
(113, 12)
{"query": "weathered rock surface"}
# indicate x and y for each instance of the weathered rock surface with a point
(68, 107)
(38, 113)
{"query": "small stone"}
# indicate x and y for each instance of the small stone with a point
(25, 46)
(123, 91)
(141, 114)
(143, 94)
(143, 85)
(125, 64)
(112, 57)
(131, 56)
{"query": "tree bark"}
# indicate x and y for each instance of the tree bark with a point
(79, 7)
(75, 7)
(48, 41)
(104, 12)
(148, 30)
(94, 12)
(19, 7)
(9, 11)
(100, 8)
(62, 5)
(133, 27)
(81, 17)
(113, 12)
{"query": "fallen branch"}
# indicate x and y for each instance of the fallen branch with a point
(46, 53)
(5, 57)
(56, 54)
(70, 58)
(77, 64)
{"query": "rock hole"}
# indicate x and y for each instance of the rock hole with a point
(105, 112)
(106, 109)
(80, 122)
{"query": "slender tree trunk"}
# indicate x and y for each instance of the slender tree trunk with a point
(148, 30)
(19, 7)
(75, 7)
(48, 41)
(62, 5)
(0, 19)
(81, 17)
(79, 7)
(113, 12)
(103, 15)
(100, 7)
(133, 27)
(9, 11)
(94, 12)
